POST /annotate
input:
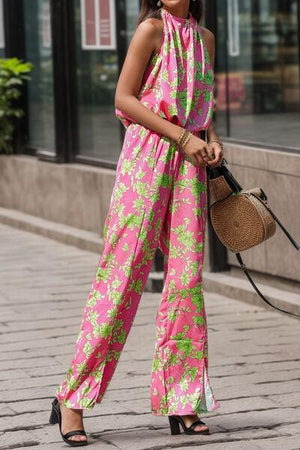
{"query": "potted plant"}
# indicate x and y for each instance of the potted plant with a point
(13, 73)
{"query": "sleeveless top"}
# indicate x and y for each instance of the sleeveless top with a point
(178, 82)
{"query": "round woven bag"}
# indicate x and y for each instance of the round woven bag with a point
(241, 218)
(241, 221)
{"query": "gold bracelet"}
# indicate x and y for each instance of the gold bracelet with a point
(186, 139)
(218, 142)
(181, 136)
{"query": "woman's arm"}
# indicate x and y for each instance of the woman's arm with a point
(143, 43)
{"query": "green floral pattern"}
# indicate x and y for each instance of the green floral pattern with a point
(159, 200)
(178, 83)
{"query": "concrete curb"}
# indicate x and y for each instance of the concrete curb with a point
(241, 289)
(82, 239)
(219, 282)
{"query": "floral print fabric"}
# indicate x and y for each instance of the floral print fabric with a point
(178, 82)
(159, 200)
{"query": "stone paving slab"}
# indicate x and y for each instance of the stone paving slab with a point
(254, 359)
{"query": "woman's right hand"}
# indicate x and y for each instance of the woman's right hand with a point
(196, 150)
(199, 154)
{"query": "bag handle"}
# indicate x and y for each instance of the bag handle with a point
(295, 244)
(244, 268)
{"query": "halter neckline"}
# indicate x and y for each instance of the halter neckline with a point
(178, 18)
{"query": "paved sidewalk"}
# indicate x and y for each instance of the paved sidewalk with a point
(254, 361)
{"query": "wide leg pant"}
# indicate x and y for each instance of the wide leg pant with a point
(159, 200)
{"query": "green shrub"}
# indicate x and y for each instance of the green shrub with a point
(13, 74)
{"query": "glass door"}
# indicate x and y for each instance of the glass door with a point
(97, 55)
(257, 80)
(37, 20)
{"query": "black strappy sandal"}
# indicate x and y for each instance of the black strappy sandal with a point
(175, 428)
(55, 417)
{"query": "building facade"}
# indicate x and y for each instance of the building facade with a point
(68, 144)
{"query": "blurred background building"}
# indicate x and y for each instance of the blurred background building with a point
(62, 173)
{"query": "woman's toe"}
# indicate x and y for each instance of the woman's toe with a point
(77, 437)
(201, 428)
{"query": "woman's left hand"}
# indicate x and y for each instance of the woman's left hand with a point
(216, 151)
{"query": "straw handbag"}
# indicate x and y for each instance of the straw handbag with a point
(240, 218)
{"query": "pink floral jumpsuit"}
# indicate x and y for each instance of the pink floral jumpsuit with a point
(159, 200)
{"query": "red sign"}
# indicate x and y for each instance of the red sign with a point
(104, 19)
(90, 22)
(98, 24)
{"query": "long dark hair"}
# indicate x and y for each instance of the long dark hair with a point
(149, 8)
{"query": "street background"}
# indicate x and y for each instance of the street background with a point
(55, 190)
(253, 361)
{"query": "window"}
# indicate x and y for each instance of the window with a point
(97, 60)
(257, 72)
(97, 72)
(40, 88)
(132, 10)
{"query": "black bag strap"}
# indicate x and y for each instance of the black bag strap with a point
(297, 246)
(244, 268)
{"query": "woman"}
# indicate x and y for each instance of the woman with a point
(164, 98)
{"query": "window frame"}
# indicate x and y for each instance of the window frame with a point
(64, 74)
(211, 21)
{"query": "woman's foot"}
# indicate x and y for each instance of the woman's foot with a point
(72, 419)
(189, 419)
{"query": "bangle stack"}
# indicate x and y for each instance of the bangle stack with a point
(184, 137)
(218, 142)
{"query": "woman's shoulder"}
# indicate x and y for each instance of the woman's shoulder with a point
(208, 35)
(151, 29)
(209, 39)
(151, 25)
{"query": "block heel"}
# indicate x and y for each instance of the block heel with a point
(176, 421)
(174, 425)
(53, 417)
